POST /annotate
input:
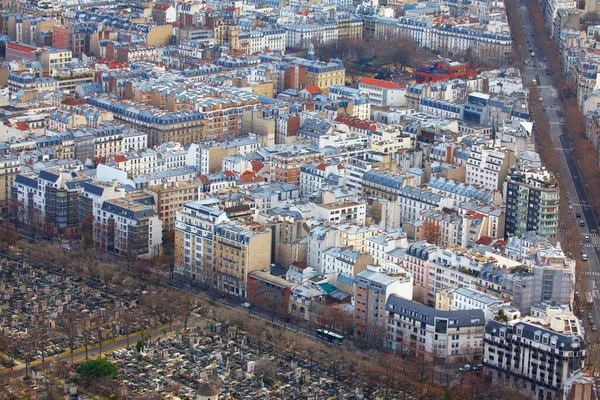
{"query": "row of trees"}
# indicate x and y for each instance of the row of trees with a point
(574, 121)
(545, 144)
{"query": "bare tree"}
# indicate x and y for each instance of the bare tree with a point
(431, 232)
(69, 325)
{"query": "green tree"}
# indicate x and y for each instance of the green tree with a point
(97, 368)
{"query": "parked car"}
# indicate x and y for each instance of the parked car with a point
(594, 329)
(478, 367)
(465, 368)
(246, 304)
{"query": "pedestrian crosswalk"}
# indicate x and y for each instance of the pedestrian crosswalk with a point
(582, 205)
(591, 234)
(591, 273)
(597, 246)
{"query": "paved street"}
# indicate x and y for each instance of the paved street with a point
(577, 194)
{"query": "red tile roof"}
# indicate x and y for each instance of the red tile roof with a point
(204, 179)
(380, 83)
(19, 47)
(257, 165)
(228, 173)
(356, 122)
(313, 89)
(162, 7)
(69, 101)
(22, 126)
(248, 177)
(120, 158)
(484, 240)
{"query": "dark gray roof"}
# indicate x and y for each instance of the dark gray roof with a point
(25, 180)
(564, 342)
(76, 184)
(420, 312)
(140, 213)
(48, 176)
(93, 189)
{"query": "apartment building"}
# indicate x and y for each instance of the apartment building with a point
(535, 355)
(194, 229)
(137, 162)
(445, 37)
(132, 54)
(550, 277)
(9, 168)
(532, 199)
(465, 298)
(301, 35)
(216, 115)
(459, 192)
(285, 166)
(452, 267)
(313, 177)
(55, 59)
(415, 328)
(345, 261)
(128, 226)
(163, 13)
(239, 249)
(50, 198)
(417, 262)
(342, 212)
(169, 199)
(412, 202)
(383, 184)
(372, 289)
(61, 120)
(383, 93)
(488, 166)
(313, 73)
(94, 194)
(441, 108)
(356, 103)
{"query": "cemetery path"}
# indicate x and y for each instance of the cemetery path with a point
(120, 342)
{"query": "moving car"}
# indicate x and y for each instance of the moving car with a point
(587, 238)
(581, 222)
(584, 257)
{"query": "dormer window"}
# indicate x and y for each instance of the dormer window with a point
(520, 330)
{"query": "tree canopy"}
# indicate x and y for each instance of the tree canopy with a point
(98, 368)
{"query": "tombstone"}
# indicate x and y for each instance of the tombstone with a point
(250, 367)
(293, 364)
